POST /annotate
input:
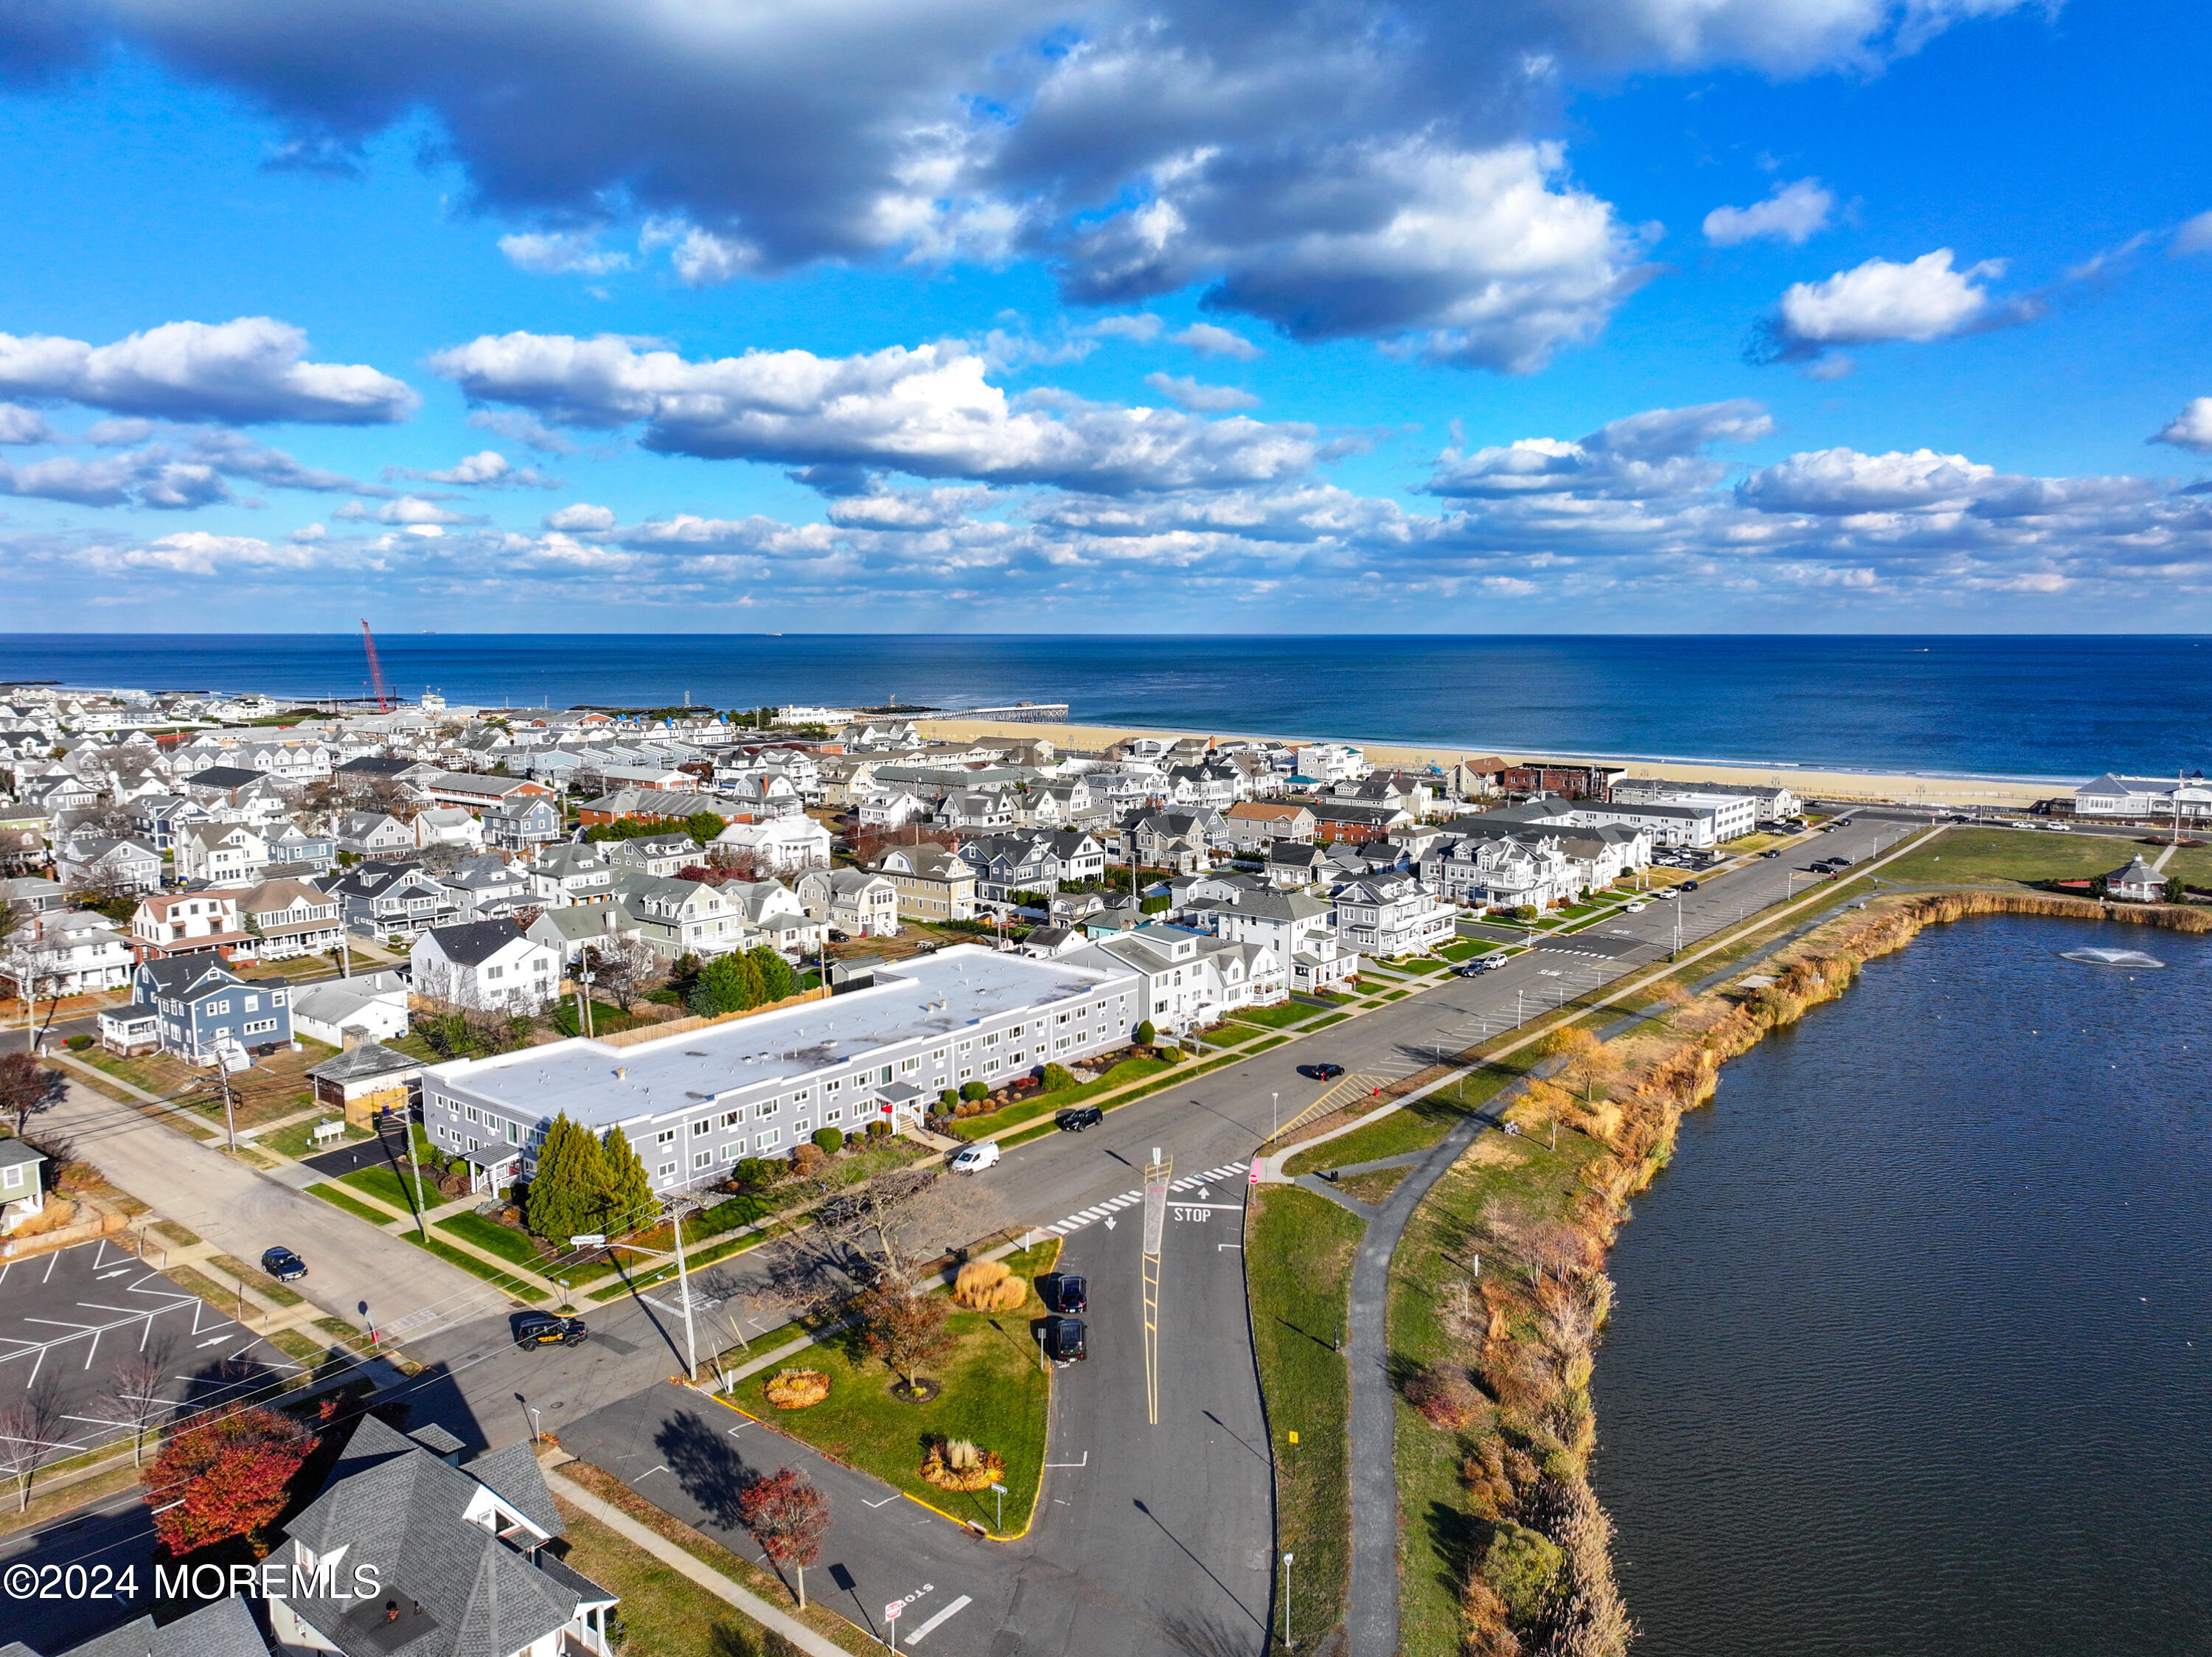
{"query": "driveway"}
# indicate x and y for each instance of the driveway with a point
(353, 1269)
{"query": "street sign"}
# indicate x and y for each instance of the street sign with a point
(891, 1611)
(1000, 1489)
(1294, 1437)
(588, 1240)
(1256, 1170)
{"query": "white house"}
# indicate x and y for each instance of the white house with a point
(373, 1003)
(448, 826)
(1393, 915)
(856, 902)
(1187, 979)
(2161, 799)
(1300, 930)
(782, 844)
(220, 853)
(1331, 762)
(486, 966)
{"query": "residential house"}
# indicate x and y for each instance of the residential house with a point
(288, 918)
(761, 796)
(932, 883)
(33, 893)
(649, 805)
(373, 834)
(479, 791)
(976, 811)
(1254, 824)
(1035, 861)
(372, 1005)
(396, 900)
(782, 844)
(94, 863)
(22, 1195)
(891, 805)
(1057, 805)
(678, 918)
(655, 854)
(1182, 841)
(773, 911)
(1215, 783)
(1503, 870)
(486, 966)
(1189, 978)
(459, 1555)
(216, 1628)
(1575, 781)
(66, 952)
(199, 1007)
(165, 925)
(1331, 762)
(488, 887)
(1393, 915)
(1338, 819)
(578, 927)
(1771, 802)
(1046, 943)
(297, 851)
(220, 785)
(572, 873)
(447, 826)
(219, 854)
(1300, 930)
(523, 820)
(857, 901)
(156, 818)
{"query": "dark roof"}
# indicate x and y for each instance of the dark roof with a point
(359, 1064)
(513, 1476)
(181, 976)
(376, 765)
(223, 1628)
(222, 777)
(471, 942)
(13, 1151)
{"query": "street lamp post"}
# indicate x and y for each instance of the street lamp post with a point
(1274, 1116)
(1287, 1641)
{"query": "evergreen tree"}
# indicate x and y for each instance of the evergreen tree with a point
(563, 1193)
(625, 1193)
(724, 987)
(777, 979)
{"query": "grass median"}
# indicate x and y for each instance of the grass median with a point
(1413, 1126)
(994, 1392)
(1300, 1262)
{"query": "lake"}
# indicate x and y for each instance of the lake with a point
(1913, 1338)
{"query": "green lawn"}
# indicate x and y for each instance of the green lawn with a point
(386, 1185)
(1971, 857)
(1280, 1016)
(1438, 1530)
(663, 1611)
(1028, 1110)
(1412, 1127)
(299, 1140)
(338, 1198)
(1300, 1261)
(1324, 1022)
(490, 1235)
(507, 1283)
(995, 1393)
(1466, 950)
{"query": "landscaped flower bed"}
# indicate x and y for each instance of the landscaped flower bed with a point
(798, 1389)
(958, 1465)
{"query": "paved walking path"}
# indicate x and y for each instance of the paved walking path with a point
(771, 1616)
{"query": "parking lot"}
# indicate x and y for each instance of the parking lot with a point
(75, 1324)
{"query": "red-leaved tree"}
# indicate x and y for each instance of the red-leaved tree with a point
(228, 1478)
(789, 1517)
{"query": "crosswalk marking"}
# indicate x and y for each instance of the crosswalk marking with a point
(1082, 1217)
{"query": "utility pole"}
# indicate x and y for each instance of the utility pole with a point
(679, 1210)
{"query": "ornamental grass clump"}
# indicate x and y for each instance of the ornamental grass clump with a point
(960, 1464)
(798, 1389)
(987, 1286)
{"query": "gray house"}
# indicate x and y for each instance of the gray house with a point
(94, 861)
(199, 1006)
(388, 900)
(523, 820)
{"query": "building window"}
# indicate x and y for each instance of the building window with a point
(702, 1125)
(665, 1136)
(767, 1142)
(732, 1119)
(702, 1159)
(668, 1171)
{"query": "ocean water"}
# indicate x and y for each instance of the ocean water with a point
(1912, 1347)
(2055, 707)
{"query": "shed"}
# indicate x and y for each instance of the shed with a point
(366, 1081)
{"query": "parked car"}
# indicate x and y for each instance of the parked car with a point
(1077, 1117)
(1689, 885)
(1063, 1340)
(1065, 1292)
(973, 1158)
(1321, 1072)
(283, 1264)
(1472, 970)
(1635, 908)
(1770, 852)
(545, 1329)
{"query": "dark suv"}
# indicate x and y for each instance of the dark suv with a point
(1064, 1293)
(1063, 1340)
(544, 1329)
(1077, 1117)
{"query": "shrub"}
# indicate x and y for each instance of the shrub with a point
(1525, 912)
(78, 1043)
(1146, 1034)
(798, 1389)
(1444, 1396)
(754, 1173)
(977, 1278)
(1172, 1055)
(973, 1091)
(831, 1140)
(807, 1159)
(947, 1099)
(960, 1464)
(1155, 905)
(879, 1129)
(1522, 1568)
(1056, 1077)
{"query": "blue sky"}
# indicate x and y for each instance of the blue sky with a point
(1584, 314)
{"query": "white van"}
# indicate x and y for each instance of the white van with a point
(973, 1158)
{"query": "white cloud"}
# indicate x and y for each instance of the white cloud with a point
(1207, 340)
(246, 372)
(486, 466)
(2191, 429)
(929, 411)
(1185, 393)
(581, 517)
(2195, 236)
(1843, 481)
(909, 508)
(21, 425)
(1374, 150)
(1880, 300)
(1792, 213)
(561, 253)
(1643, 456)
(1141, 326)
(409, 511)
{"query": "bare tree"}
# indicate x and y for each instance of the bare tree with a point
(624, 967)
(135, 1386)
(28, 1428)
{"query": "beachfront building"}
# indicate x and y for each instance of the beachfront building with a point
(1772, 802)
(757, 1085)
(2153, 799)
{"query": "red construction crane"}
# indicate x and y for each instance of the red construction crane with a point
(384, 698)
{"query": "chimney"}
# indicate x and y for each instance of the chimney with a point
(351, 1036)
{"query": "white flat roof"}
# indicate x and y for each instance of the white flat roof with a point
(914, 1000)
